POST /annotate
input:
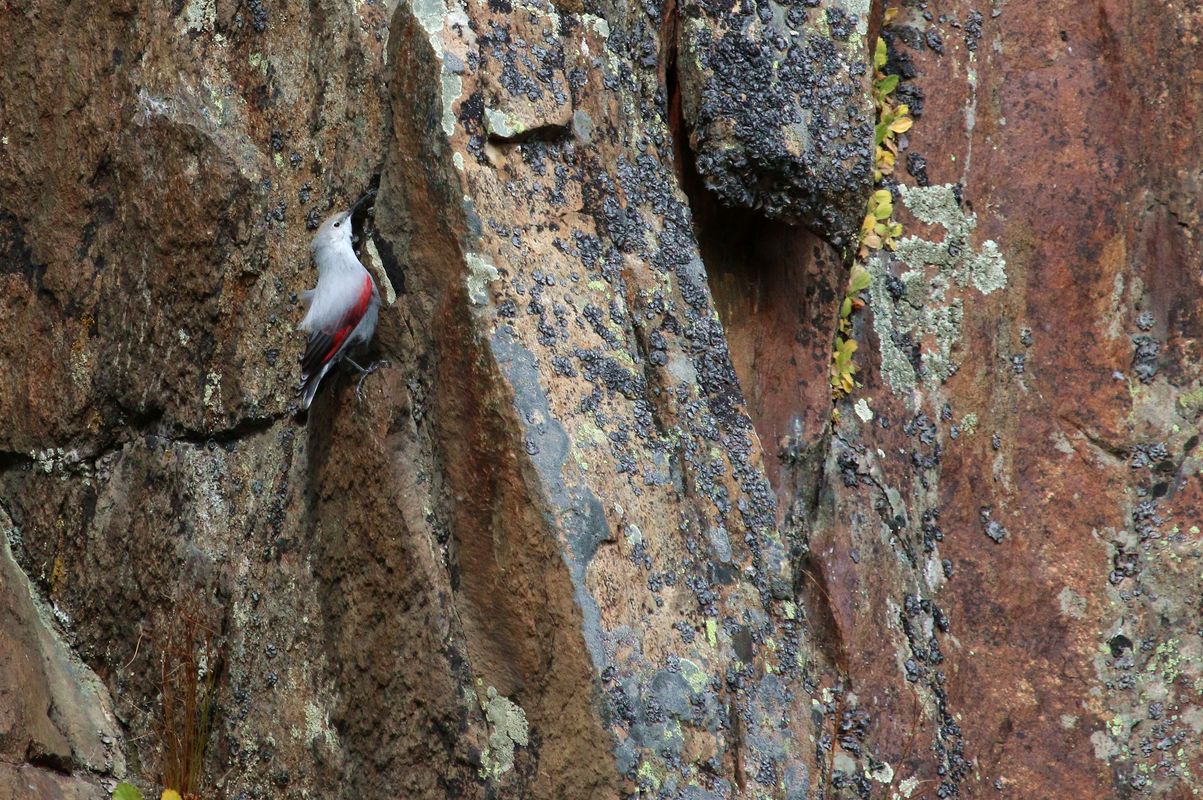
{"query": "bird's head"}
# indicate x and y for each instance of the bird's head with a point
(336, 229)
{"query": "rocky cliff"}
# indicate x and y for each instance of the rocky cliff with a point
(596, 531)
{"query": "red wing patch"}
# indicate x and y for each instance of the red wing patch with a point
(324, 344)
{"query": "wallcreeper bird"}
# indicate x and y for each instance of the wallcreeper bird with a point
(343, 307)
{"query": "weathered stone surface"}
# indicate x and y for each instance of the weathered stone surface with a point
(26, 781)
(583, 328)
(1012, 556)
(593, 533)
(54, 712)
(775, 98)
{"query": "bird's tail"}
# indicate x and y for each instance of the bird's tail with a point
(310, 382)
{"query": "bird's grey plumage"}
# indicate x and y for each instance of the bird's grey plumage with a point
(343, 307)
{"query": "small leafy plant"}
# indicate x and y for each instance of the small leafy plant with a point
(893, 118)
(126, 791)
(879, 230)
(843, 368)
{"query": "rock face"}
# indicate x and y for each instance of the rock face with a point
(776, 100)
(593, 532)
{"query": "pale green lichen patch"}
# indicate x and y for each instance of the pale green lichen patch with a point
(937, 205)
(925, 304)
(257, 61)
(880, 772)
(1191, 404)
(507, 729)
(200, 15)
(452, 87)
(430, 16)
(694, 675)
(480, 274)
(434, 16)
(502, 125)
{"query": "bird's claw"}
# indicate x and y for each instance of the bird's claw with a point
(365, 372)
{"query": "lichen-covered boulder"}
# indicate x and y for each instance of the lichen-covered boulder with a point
(776, 104)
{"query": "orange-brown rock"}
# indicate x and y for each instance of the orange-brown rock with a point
(593, 533)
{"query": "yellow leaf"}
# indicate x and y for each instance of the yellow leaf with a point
(902, 110)
(170, 794)
(868, 223)
(872, 241)
(901, 125)
(883, 196)
(891, 15)
(858, 279)
(884, 211)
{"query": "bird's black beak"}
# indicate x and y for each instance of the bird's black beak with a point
(363, 202)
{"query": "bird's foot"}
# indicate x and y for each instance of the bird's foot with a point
(364, 372)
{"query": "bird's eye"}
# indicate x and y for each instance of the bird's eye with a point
(337, 224)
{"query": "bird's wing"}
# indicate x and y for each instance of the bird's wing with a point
(325, 342)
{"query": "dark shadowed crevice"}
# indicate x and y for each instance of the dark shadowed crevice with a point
(776, 287)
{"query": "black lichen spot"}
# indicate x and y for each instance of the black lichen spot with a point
(764, 97)
(848, 464)
(931, 530)
(1124, 564)
(258, 15)
(973, 30)
(916, 165)
(1146, 456)
(841, 23)
(1144, 357)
